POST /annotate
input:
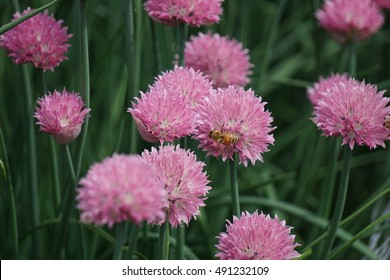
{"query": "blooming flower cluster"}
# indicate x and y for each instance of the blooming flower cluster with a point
(41, 40)
(383, 3)
(350, 20)
(256, 237)
(185, 182)
(224, 61)
(121, 188)
(61, 115)
(314, 93)
(242, 122)
(355, 111)
(194, 12)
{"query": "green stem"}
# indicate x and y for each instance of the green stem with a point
(31, 146)
(182, 31)
(352, 60)
(339, 208)
(14, 219)
(360, 235)
(163, 241)
(270, 41)
(133, 239)
(234, 187)
(328, 188)
(54, 157)
(120, 240)
(85, 79)
(181, 234)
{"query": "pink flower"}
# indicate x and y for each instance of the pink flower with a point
(185, 182)
(233, 120)
(120, 188)
(194, 12)
(350, 20)
(162, 115)
(40, 40)
(355, 111)
(193, 85)
(61, 115)
(383, 3)
(256, 237)
(224, 61)
(314, 93)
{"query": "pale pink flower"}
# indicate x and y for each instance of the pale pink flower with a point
(162, 115)
(193, 85)
(256, 237)
(223, 60)
(185, 182)
(61, 115)
(237, 115)
(383, 3)
(350, 20)
(194, 12)
(314, 92)
(355, 111)
(121, 188)
(41, 40)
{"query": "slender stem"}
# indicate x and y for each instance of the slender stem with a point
(133, 239)
(339, 208)
(182, 31)
(328, 188)
(85, 79)
(270, 41)
(54, 157)
(180, 242)
(120, 240)
(163, 246)
(360, 234)
(234, 187)
(352, 60)
(14, 219)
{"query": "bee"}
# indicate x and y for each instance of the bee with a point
(387, 122)
(223, 137)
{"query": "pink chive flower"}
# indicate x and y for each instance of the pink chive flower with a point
(224, 61)
(256, 237)
(350, 20)
(233, 120)
(162, 115)
(383, 3)
(41, 40)
(185, 182)
(194, 12)
(191, 84)
(356, 112)
(61, 115)
(120, 188)
(314, 92)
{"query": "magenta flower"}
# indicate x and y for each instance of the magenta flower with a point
(314, 92)
(256, 237)
(224, 61)
(194, 12)
(350, 20)
(233, 120)
(162, 115)
(185, 182)
(355, 111)
(121, 188)
(61, 115)
(193, 85)
(383, 3)
(40, 40)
